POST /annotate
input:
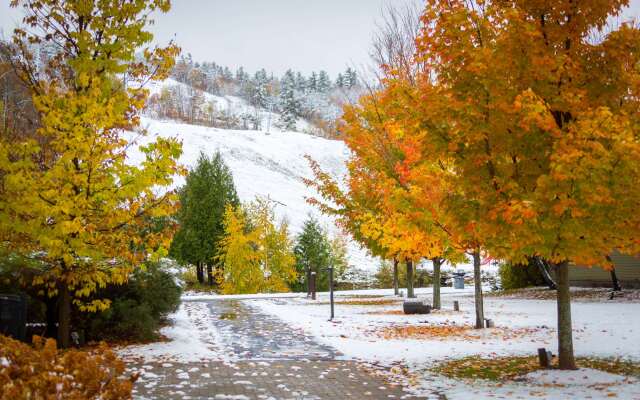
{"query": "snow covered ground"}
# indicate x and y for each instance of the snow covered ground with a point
(188, 339)
(601, 329)
(363, 320)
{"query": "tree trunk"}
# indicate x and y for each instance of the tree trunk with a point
(478, 292)
(51, 317)
(565, 333)
(210, 274)
(64, 316)
(410, 293)
(200, 273)
(614, 281)
(544, 270)
(396, 291)
(437, 262)
(614, 277)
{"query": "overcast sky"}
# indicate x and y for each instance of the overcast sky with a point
(304, 35)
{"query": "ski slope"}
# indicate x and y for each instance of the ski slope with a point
(268, 165)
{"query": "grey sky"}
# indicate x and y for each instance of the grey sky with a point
(303, 35)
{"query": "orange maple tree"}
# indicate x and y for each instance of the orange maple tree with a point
(536, 124)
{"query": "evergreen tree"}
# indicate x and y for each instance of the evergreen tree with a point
(289, 106)
(312, 82)
(260, 97)
(340, 81)
(350, 78)
(313, 254)
(324, 82)
(241, 76)
(226, 74)
(204, 197)
(301, 83)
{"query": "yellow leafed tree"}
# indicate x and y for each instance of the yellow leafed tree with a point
(70, 195)
(256, 253)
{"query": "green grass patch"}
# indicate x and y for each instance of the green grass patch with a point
(509, 368)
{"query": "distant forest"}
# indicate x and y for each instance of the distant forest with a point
(317, 98)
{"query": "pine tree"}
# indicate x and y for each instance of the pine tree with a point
(313, 254)
(340, 81)
(289, 106)
(301, 83)
(312, 82)
(241, 76)
(260, 96)
(324, 82)
(350, 78)
(208, 191)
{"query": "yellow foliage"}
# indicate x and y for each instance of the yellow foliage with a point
(69, 195)
(257, 255)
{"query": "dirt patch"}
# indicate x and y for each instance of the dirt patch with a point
(425, 332)
(387, 312)
(401, 312)
(456, 332)
(364, 302)
(586, 294)
(511, 368)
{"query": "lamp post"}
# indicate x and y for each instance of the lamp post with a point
(308, 273)
(331, 291)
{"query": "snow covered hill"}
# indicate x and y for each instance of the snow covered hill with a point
(232, 105)
(265, 165)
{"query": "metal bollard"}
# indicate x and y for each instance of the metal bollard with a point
(544, 357)
(312, 285)
(331, 290)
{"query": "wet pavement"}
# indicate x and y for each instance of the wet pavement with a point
(262, 358)
(251, 334)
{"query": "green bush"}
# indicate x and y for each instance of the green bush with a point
(516, 276)
(138, 308)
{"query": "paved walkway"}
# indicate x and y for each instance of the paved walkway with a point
(267, 360)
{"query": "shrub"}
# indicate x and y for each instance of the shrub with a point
(43, 372)
(516, 276)
(138, 308)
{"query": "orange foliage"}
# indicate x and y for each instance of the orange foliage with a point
(43, 372)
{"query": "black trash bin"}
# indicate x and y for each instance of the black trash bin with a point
(13, 316)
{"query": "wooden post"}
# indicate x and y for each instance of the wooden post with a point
(395, 276)
(456, 305)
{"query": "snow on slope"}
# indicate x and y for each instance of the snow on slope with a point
(233, 105)
(265, 165)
